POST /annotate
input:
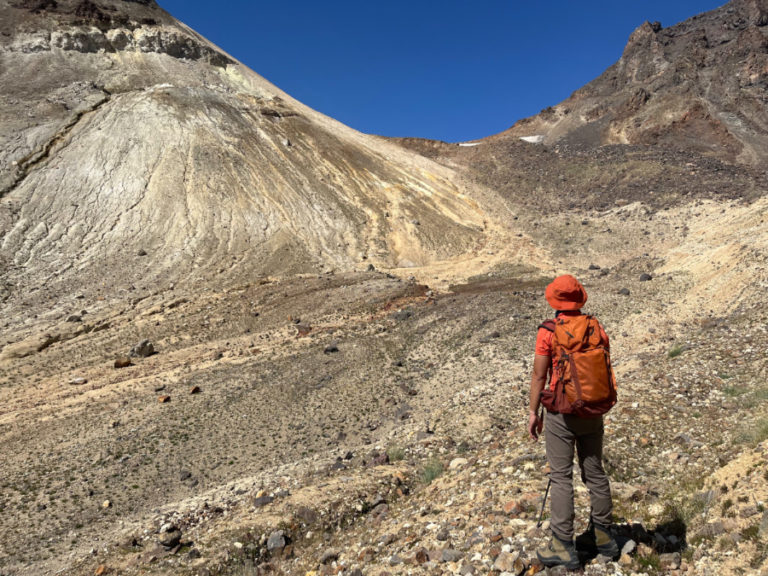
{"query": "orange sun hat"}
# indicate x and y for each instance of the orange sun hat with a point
(566, 293)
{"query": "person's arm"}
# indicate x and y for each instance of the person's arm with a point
(541, 365)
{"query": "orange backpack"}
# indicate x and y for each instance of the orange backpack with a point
(583, 382)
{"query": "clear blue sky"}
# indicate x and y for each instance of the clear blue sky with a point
(450, 69)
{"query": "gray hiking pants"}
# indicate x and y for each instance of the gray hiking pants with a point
(562, 432)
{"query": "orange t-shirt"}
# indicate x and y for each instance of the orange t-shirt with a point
(544, 341)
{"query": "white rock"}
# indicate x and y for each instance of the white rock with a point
(458, 463)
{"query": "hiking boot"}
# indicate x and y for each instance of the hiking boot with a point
(559, 553)
(605, 542)
(597, 540)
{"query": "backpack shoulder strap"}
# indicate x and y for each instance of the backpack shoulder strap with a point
(548, 325)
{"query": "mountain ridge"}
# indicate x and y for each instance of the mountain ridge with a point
(675, 86)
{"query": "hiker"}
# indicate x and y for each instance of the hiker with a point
(573, 419)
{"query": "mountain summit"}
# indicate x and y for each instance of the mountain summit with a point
(699, 85)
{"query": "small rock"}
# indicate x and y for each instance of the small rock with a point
(670, 561)
(380, 459)
(713, 529)
(306, 515)
(123, 362)
(330, 555)
(377, 500)
(394, 560)
(467, 570)
(421, 556)
(625, 560)
(594, 267)
(449, 555)
(195, 390)
(143, 349)
(262, 501)
(106, 504)
(331, 348)
(535, 568)
(276, 542)
(74, 318)
(141, 252)
(458, 463)
(164, 399)
(169, 539)
(624, 291)
(78, 381)
(602, 560)
(629, 547)
(645, 277)
(513, 507)
(401, 315)
(505, 562)
(101, 570)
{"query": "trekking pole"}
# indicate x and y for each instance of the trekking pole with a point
(546, 492)
(543, 503)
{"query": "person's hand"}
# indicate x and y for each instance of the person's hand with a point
(535, 426)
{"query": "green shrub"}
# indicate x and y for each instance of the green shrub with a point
(734, 391)
(675, 351)
(650, 563)
(432, 469)
(395, 453)
(751, 532)
(725, 543)
(755, 432)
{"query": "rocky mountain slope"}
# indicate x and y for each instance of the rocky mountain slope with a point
(699, 85)
(136, 152)
(200, 373)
